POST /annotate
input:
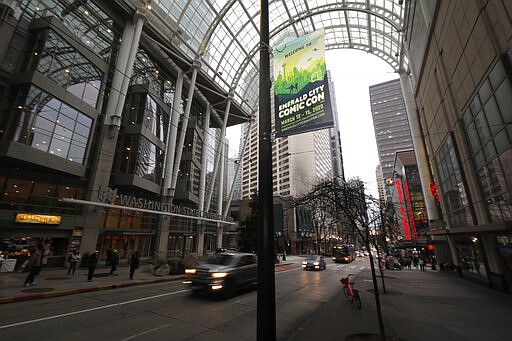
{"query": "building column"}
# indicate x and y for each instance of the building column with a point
(108, 133)
(218, 153)
(184, 127)
(419, 148)
(202, 180)
(217, 163)
(223, 158)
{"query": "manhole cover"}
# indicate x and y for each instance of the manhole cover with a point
(56, 278)
(370, 337)
(31, 290)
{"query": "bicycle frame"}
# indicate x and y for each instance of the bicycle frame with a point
(350, 292)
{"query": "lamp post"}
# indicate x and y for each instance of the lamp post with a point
(266, 300)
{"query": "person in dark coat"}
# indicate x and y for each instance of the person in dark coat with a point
(109, 257)
(93, 260)
(134, 263)
(35, 266)
(114, 261)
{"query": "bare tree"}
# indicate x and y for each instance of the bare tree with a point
(360, 211)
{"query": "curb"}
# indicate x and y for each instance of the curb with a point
(85, 290)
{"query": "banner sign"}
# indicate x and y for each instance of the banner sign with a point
(30, 218)
(301, 89)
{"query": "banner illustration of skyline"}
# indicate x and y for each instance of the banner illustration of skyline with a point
(301, 90)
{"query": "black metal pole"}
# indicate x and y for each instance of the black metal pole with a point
(266, 316)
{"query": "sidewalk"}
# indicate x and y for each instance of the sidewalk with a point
(53, 282)
(430, 305)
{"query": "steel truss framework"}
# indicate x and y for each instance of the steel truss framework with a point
(223, 35)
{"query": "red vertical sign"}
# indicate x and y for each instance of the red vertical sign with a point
(403, 211)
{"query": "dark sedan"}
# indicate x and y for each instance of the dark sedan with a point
(224, 273)
(314, 262)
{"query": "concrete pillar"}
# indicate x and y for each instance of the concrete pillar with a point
(223, 158)
(173, 134)
(202, 180)
(108, 139)
(218, 153)
(419, 148)
(184, 126)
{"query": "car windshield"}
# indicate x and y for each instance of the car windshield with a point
(313, 257)
(222, 259)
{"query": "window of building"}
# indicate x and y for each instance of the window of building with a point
(50, 125)
(452, 187)
(140, 157)
(60, 62)
(488, 126)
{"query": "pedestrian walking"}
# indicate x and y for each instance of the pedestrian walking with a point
(114, 261)
(73, 259)
(134, 263)
(93, 260)
(109, 257)
(422, 264)
(34, 265)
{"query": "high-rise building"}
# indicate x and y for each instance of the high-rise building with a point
(337, 154)
(390, 122)
(380, 184)
(299, 162)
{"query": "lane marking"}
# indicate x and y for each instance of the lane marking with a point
(146, 332)
(91, 309)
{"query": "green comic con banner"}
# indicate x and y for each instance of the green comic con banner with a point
(301, 91)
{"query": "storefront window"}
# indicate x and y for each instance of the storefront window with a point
(505, 251)
(470, 257)
(180, 245)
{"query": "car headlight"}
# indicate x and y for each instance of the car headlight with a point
(304, 263)
(316, 263)
(219, 274)
(190, 271)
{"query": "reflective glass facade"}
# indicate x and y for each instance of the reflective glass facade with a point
(488, 127)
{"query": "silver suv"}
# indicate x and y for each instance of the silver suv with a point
(224, 273)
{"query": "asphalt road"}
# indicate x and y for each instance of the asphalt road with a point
(169, 310)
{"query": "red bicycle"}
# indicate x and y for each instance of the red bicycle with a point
(350, 293)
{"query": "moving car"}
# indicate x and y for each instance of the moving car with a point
(224, 273)
(314, 262)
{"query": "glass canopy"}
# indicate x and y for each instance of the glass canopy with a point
(224, 34)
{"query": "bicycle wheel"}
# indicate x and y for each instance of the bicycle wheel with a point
(357, 299)
(346, 291)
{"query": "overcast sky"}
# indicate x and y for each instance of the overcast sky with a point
(352, 72)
